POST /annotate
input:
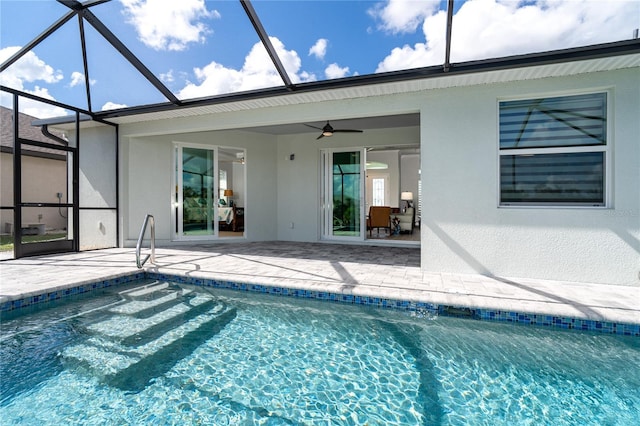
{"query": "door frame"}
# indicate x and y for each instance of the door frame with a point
(73, 177)
(326, 194)
(177, 196)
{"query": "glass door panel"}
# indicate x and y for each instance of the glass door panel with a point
(231, 192)
(198, 191)
(342, 192)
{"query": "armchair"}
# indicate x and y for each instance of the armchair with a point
(407, 219)
(379, 217)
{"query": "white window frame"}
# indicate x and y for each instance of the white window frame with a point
(606, 149)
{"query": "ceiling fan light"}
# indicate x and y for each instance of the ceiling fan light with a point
(327, 133)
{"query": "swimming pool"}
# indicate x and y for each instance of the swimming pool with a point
(166, 353)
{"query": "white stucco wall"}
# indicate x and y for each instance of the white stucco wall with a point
(98, 227)
(464, 230)
(147, 172)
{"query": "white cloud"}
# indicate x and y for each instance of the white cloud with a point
(495, 28)
(257, 72)
(167, 77)
(335, 71)
(77, 78)
(29, 69)
(319, 49)
(403, 16)
(168, 24)
(40, 109)
(112, 105)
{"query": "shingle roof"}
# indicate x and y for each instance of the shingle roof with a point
(29, 132)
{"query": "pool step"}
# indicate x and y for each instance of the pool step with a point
(132, 347)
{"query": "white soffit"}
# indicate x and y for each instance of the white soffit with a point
(407, 86)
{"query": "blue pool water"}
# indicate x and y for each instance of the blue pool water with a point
(162, 353)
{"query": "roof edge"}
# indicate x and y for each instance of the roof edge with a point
(620, 48)
(584, 53)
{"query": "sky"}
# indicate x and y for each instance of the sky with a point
(201, 48)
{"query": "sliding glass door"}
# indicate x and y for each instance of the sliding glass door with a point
(342, 192)
(209, 192)
(195, 195)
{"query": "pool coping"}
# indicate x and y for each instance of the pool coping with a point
(345, 296)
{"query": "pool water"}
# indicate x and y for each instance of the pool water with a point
(163, 353)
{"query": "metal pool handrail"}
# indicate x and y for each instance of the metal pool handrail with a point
(148, 218)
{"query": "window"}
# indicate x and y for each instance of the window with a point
(553, 151)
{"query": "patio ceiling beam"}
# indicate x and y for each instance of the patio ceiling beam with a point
(28, 47)
(264, 37)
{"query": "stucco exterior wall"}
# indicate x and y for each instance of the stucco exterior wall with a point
(42, 178)
(97, 185)
(464, 230)
(147, 172)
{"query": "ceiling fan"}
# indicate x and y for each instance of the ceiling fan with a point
(328, 130)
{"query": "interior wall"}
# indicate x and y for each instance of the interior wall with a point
(392, 160)
(465, 231)
(409, 176)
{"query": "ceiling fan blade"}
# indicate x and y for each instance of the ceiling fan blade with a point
(313, 127)
(321, 136)
(347, 131)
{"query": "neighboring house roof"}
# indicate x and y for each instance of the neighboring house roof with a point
(30, 132)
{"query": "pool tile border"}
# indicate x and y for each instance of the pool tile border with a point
(420, 308)
(57, 294)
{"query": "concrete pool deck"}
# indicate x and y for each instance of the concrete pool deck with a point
(385, 272)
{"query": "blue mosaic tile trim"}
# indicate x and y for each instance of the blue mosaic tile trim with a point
(299, 293)
(419, 307)
(68, 292)
(559, 322)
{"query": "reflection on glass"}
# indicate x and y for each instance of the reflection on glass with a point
(346, 193)
(197, 191)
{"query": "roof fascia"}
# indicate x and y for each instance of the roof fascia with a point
(626, 47)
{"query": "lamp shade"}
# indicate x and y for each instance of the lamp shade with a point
(406, 196)
(228, 192)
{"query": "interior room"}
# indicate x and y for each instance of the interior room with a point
(231, 188)
(393, 196)
(200, 204)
